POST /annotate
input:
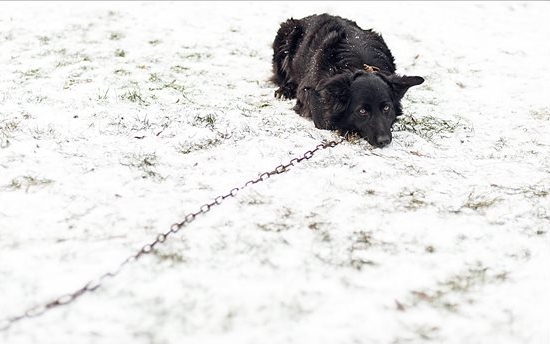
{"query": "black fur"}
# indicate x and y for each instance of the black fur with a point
(320, 59)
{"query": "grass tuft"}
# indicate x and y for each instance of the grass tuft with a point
(7, 132)
(427, 127)
(448, 293)
(479, 202)
(189, 147)
(206, 121)
(134, 95)
(145, 163)
(170, 257)
(26, 182)
(116, 36)
(33, 73)
(120, 53)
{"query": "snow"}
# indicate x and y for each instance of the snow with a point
(119, 118)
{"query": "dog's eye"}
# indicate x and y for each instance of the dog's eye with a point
(363, 112)
(386, 108)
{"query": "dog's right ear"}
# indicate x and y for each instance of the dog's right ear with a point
(401, 84)
(334, 92)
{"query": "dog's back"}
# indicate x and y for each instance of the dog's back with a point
(320, 46)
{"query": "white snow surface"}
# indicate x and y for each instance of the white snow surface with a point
(119, 118)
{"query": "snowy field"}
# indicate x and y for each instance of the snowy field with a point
(118, 119)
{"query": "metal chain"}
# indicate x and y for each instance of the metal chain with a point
(159, 239)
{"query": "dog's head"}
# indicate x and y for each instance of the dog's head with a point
(367, 103)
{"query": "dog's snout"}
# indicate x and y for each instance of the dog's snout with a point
(383, 140)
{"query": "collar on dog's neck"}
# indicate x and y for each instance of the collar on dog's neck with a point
(370, 69)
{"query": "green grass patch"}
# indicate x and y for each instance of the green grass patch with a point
(427, 127)
(26, 182)
(7, 132)
(120, 53)
(116, 36)
(189, 147)
(135, 96)
(144, 163)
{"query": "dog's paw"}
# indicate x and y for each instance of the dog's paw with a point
(283, 93)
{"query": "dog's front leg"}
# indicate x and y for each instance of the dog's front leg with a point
(317, 113)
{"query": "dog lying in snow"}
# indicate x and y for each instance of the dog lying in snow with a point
(342, 76)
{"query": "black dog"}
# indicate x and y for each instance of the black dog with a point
(342, 76)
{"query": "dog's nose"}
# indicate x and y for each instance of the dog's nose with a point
(383, 140)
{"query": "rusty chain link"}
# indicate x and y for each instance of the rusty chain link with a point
(159, 239)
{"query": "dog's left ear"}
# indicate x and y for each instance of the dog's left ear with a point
(401, 84)
(334, 92)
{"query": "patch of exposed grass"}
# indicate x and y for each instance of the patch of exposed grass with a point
(163, 124)
(205, 121)
(120, 123)
(102, 95)
(252, 198)
(243, 52)
(36, 98)
(324, 235)
(315, 226)
(154, 77)
(434, 298)
(361, 240)
(414, 199)
(542, 113)
(116, 36)
(174, 85)
(48, 132)
(171, 85)
(463, 283)
(44, 39)
(178, 69)
(273, 227)
(479, 202)
(448, 293)
(360, 263)
(529, 191)
(427, 332)
(67, 60)
(120, 53)
(74, 81)
(145, 163)
(134, 95)
(175, 258)
(195, 55)
(33, 73)
(7, 131)
(427, 127)
(501, 143)
(359, 250)
(121, 72)
(188, 147)
(26, 182)
(141, 123)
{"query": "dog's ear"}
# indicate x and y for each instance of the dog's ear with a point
(401, 84)
(334, 92)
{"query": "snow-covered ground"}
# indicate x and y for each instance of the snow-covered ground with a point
(118, 119)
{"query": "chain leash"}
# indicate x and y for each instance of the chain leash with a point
(159, 239)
